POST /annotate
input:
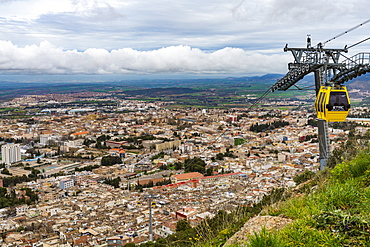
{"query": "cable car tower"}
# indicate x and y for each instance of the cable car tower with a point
(329, 74)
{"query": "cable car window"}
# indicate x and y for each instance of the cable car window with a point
(322, 102)
(319, 102)
(338, 101)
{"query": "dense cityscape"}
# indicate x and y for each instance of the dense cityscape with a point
(184, 123)
(127, 171)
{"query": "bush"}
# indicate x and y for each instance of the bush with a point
(110, 160)
(6, 171)
(303, 177)
(354, 168)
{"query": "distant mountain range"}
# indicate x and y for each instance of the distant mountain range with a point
(25, 84)
(362, 83)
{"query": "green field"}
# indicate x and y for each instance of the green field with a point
(211, 93)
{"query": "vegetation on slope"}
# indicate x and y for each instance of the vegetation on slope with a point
(337, 214)
(334, 212)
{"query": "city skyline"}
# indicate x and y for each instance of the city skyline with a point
(171, 38)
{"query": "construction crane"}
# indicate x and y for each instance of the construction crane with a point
(330, 75)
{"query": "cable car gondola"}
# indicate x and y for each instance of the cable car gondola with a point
(332, 103)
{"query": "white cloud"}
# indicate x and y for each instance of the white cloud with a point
(32, 10)
(102, 28)
(48, 59)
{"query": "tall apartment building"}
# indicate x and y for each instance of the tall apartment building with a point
(11, 153)
(66, 184)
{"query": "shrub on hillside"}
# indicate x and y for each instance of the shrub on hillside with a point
(303, 177)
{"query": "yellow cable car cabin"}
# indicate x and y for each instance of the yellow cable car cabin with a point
(332, 103)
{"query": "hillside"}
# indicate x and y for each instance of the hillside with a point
(211, 92)
(362, 83)
(331, 209)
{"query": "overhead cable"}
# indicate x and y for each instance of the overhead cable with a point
(349, 30)
(358, 43)
(259, 99)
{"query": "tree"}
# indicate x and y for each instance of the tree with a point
(114, 182)
(178, 166)
(31, 194)
(110, 160)
(20, 228)
(6, 172)
(130, 245)
(195, 165)
(183, 225)
(220, 156)
(3, 191)
(209, 172)
(158, 156)
(303, 177)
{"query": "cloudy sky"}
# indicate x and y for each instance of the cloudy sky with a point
(170, 37)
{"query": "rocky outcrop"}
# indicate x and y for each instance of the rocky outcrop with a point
(255, 225)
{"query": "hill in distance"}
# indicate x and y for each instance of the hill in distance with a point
(15, 86)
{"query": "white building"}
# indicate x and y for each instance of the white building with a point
(186, 148)
(21, 210)
(44, 139)
(163, 231)
(66, 184)
(11, 153)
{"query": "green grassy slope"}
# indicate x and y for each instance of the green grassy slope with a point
(332, 210)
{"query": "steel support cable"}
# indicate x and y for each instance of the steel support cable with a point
(358, 43)
(259, 99)
(302, 88)
(311, 98)
(345, 32)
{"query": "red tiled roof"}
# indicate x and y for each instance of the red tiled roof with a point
(80, 133)
(186, 176)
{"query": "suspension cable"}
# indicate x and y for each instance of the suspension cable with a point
(345, 32)
(260, 98)
(358, 43)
